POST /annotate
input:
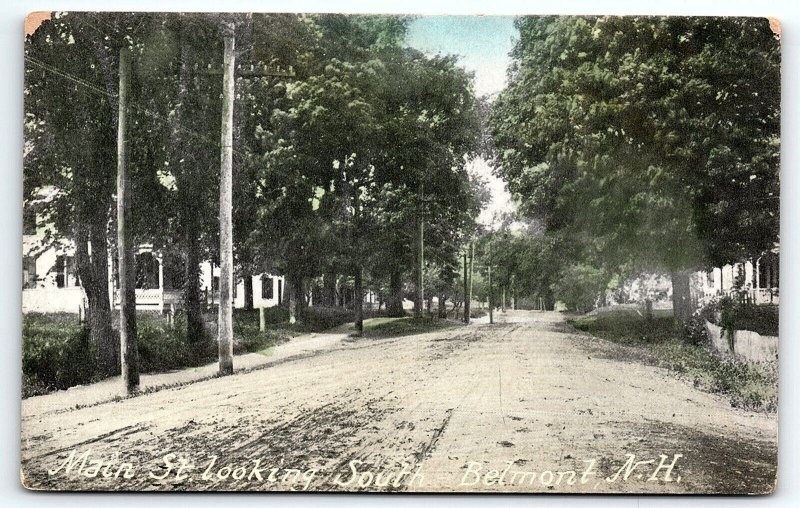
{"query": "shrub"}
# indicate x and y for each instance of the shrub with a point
(164, 346)
(578, 287)
(762, 319)
(56, 353)
(247, 337)
(318, 319)
(694, 331)
(750, 386)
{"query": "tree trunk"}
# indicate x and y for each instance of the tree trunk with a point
(442, 306)
(329, 289)
(358, 293)
(491, 296)
(468, 299)
(93, 273)
(513, 293)
(681, 297)
(359, 300)
(187, 196)
(284, 290)
(648, 309)
(127, 269)
(248, 291)
(394, 303)
(225, 321)
(195, 332)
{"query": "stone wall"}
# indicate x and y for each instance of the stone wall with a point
(747, 345)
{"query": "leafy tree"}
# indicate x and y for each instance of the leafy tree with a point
(638, 138)
(71, 85)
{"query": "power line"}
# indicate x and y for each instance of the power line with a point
(249, 157)
(68, 76)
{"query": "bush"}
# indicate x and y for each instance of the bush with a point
(247, 337)
(694, 331)
(578, 287)
(762, 319)
(318, 319)
(56, 353)
(164, 346)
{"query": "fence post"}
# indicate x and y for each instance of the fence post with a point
(261, 319)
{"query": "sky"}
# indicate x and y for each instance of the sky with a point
(482, 44)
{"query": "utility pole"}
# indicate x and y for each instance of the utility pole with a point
(513, 293)
(129, 352)
(491, 288)
(358, 282)
(471, 259)
(420, 253)
(491, 298)
(225, 320)
(466, 289)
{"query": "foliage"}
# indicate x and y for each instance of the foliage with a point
(164, 346)
(642, 140)
(56, 353)
(695, 330)
(734, 315)
(579, 286)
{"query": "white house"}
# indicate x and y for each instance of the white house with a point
(267, 288)
(50, 282)
(756, 280)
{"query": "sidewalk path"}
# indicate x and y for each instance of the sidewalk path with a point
(110, 389)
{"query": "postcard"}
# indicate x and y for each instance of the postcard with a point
(400, 253)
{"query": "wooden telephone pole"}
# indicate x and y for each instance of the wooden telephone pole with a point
(225, 320)
(418, 312)
(466, 289)
(129, 352)
(229, 72)
(491, 288)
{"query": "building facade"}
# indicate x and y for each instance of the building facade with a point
(50, 281)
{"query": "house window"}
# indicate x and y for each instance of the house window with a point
(28, 222)
(267, 293)
(29, 276)
(65, 272)
(59, 269)
(72, 271)
(768, 275)
(146, 271)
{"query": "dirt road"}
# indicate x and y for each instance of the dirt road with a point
(526, 405)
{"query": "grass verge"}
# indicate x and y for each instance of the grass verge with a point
(386, 327)
(749, 386)
(57, 352)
